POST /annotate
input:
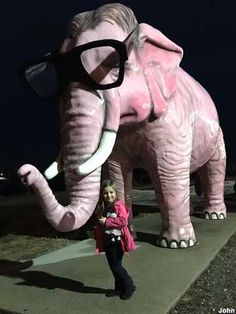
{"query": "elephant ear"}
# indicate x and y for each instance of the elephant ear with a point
(160, 58)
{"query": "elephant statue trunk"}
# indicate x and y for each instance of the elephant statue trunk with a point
(83, 122)
(82, 201)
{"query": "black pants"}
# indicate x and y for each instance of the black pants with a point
(114, 255)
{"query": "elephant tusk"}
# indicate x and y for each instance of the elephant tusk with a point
(52, 171)
(103, 152)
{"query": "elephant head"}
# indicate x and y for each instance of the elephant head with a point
(109, 71)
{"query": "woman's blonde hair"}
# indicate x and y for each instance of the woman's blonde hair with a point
(122, 15)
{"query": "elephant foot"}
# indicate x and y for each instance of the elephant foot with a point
(174, 244)
(214, 213)
(178, 237)
(213, 216)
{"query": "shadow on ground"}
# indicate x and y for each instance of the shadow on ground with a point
(42, 279)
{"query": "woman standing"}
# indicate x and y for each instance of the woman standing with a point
(113, 236)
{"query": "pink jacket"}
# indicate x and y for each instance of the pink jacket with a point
(120, 222)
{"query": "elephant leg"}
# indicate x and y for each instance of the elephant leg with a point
(119, 169)
(176, 230)
(169, 173)
(213, 176)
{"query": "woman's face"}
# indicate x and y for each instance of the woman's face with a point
(109, 195)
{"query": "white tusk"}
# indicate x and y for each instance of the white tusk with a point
(51, 171)
(103, 152)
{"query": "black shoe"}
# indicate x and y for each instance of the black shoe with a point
(127, 295)
(112, 293)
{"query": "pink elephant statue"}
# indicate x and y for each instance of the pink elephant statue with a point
(126, 102)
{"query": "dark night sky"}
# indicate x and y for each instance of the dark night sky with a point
(29, 128)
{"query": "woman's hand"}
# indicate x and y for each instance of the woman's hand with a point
(102, 220)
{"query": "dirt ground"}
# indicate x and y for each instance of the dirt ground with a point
(215, 290)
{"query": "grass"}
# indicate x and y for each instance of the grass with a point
(26, 234)
(21, 248)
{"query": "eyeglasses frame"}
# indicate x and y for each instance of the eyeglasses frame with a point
(123, 48)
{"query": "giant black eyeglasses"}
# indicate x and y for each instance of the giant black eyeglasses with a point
(98, 65)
